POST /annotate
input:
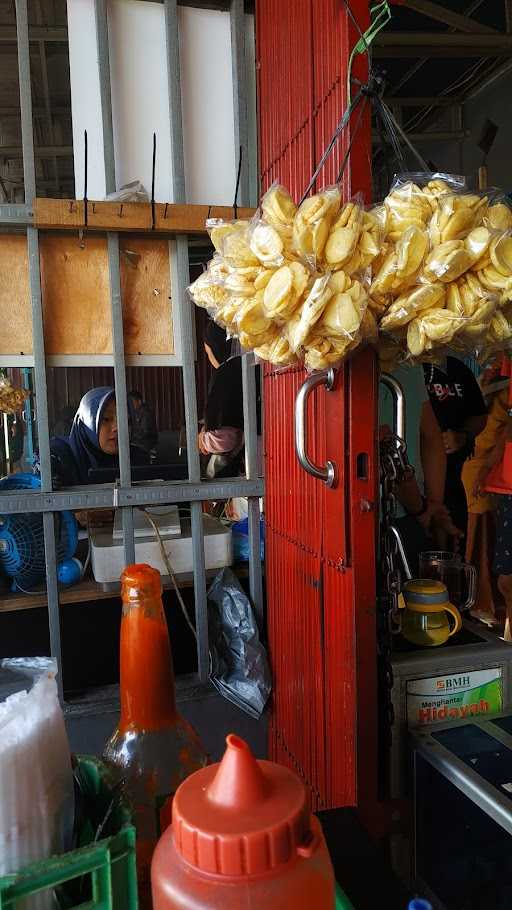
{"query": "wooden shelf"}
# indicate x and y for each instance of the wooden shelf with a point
(170, 218)
(89, 590)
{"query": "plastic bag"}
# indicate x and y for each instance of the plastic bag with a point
(36, 782)
(240, 535)
(12, 399)
(456, 216)
(130, 192)
(239, 664)
(312, 224)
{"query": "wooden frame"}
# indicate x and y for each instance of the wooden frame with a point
(170, 218)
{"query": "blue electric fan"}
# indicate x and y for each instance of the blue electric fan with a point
(22, 538)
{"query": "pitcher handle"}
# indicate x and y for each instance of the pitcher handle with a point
(456, 616)
(470, 572)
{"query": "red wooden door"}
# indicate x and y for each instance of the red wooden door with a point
(320, 541)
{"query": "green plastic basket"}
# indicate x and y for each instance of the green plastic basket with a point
(109, 863)
(342, 901)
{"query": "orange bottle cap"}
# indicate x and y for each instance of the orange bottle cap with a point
(241, 817)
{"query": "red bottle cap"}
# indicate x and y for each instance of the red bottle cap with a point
(240, 817)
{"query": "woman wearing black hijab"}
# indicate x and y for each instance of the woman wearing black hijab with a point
(222, 436)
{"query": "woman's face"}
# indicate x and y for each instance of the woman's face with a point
(107, 436)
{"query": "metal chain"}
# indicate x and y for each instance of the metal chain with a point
(394, 469)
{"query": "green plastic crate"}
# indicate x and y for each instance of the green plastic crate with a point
(109, 862)
(342, 901)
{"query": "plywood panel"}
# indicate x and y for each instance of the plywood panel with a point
(146, 293)
(76, 295)
(15, 309)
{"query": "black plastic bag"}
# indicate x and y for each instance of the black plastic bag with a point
(239, 667)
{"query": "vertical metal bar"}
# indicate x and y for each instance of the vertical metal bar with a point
(241, 127)
(27, 136)
(29, 175)
(100, 12)
(240, 137)
(180, 277)
(6, 445)
(251, 472)
(46, 95)
(116, 306)
(28, 417)
(175, 113)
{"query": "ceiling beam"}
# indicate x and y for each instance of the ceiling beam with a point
(43, 151)
(491, 78)
(414, 51)
(456, 20)
(35, 33)
(419, 64)
(436, 136)
(442, 39)
(417, 101)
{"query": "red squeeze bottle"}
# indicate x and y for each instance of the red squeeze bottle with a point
(242, 836)
(153, 749)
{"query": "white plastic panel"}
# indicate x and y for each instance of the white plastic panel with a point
(207, 98)
(85, 98)
(140, 98)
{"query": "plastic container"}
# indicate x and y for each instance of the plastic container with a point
(427, 614)
(103, 870)
(242, 835)
(153, 749)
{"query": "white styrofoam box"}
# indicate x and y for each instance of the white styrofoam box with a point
(166, 518)
(140, 105)
(107, 554)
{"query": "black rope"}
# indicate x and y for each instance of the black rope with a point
(239, 172)
(153, 172)
(86, 167)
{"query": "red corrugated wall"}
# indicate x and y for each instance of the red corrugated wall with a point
(320, 542)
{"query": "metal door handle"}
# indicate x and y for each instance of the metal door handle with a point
(327, 473)
(398, 403)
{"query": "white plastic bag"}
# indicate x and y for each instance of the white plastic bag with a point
(36, 781)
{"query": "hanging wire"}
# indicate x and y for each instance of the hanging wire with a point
(352, 139)
(339, 129)
(169, 568)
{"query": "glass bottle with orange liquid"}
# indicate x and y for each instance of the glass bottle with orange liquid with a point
(153, 748)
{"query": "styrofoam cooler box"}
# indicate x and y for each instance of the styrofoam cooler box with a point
(107, 553)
